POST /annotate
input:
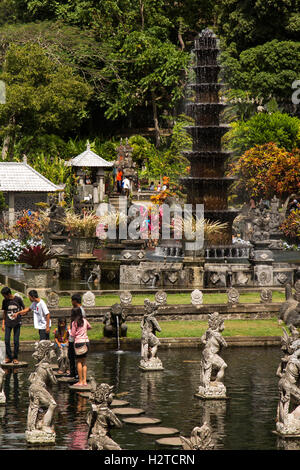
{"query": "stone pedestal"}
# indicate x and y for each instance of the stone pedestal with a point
(40, 438)
(153, 364)
(215, 391)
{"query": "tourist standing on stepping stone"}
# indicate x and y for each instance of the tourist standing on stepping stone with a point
(41, 314)
(61, 336)
(12, 320)
(76, 302)
(81, 343)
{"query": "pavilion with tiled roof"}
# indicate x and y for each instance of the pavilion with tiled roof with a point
(90, 168)
(23, 187)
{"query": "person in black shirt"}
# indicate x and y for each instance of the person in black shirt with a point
(11, 305)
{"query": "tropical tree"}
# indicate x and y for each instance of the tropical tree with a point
(41, 96)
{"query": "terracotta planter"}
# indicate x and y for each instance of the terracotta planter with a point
(38, 278)
(83, 246)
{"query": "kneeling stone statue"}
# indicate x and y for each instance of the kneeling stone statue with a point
(39, 423)
(101, 418)
(211, 361)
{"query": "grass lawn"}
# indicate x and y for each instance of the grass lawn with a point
(106, 300)
(173, 329)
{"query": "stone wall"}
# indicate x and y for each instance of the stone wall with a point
(176, 312)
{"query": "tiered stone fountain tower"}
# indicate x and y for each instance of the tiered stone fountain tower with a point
(207, 184)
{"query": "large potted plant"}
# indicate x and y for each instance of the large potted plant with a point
(82, 229)
(37, 275)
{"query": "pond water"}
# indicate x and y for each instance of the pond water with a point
(245, 421)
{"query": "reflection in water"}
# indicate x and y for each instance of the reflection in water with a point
(213, 412)
(245, 421)
(150, 389)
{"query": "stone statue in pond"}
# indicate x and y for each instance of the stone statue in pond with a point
(40, 422)
(288, 410)
(112, 319)
(101, 418)
(289, 311)
(201, 439)
(211, 362)
(149, 340)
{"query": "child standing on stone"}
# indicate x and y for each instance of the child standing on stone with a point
(61, 336)
(81, 343)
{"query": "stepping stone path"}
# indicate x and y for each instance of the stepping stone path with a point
(11, 365)
(128, 411)
(170, 441)
(119, 403)
(159, 431)
(80, 388)
(65, 379)
(141, 420)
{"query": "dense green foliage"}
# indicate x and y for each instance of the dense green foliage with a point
(262, 128)
(78, 69)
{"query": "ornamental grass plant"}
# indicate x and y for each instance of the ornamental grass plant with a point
(81, 225)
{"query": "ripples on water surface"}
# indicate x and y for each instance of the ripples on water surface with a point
(243, 422)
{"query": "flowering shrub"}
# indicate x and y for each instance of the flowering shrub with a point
(30, 225)
(265, 170)
(10, 250)
(291, 226)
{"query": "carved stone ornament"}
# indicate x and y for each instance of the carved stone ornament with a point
(52, 300)
(242, 279)
(233, 295)
(196, 297)
(88, 299)
(145, 277)
(173, 277)
(265, 296)
(126, 298)
(161, 297)
(282, 278)
(263, 277)
(214, 278)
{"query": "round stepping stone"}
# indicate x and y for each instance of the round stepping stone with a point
(159, 431)
(80, 388)
(60, 375)
(66, 379)
(141, 420)
(170, 441)
(11, 365)
(128, 411)
(119, 403)
(122, 394)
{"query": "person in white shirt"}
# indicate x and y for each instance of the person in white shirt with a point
(41, 314)
(126, 186)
